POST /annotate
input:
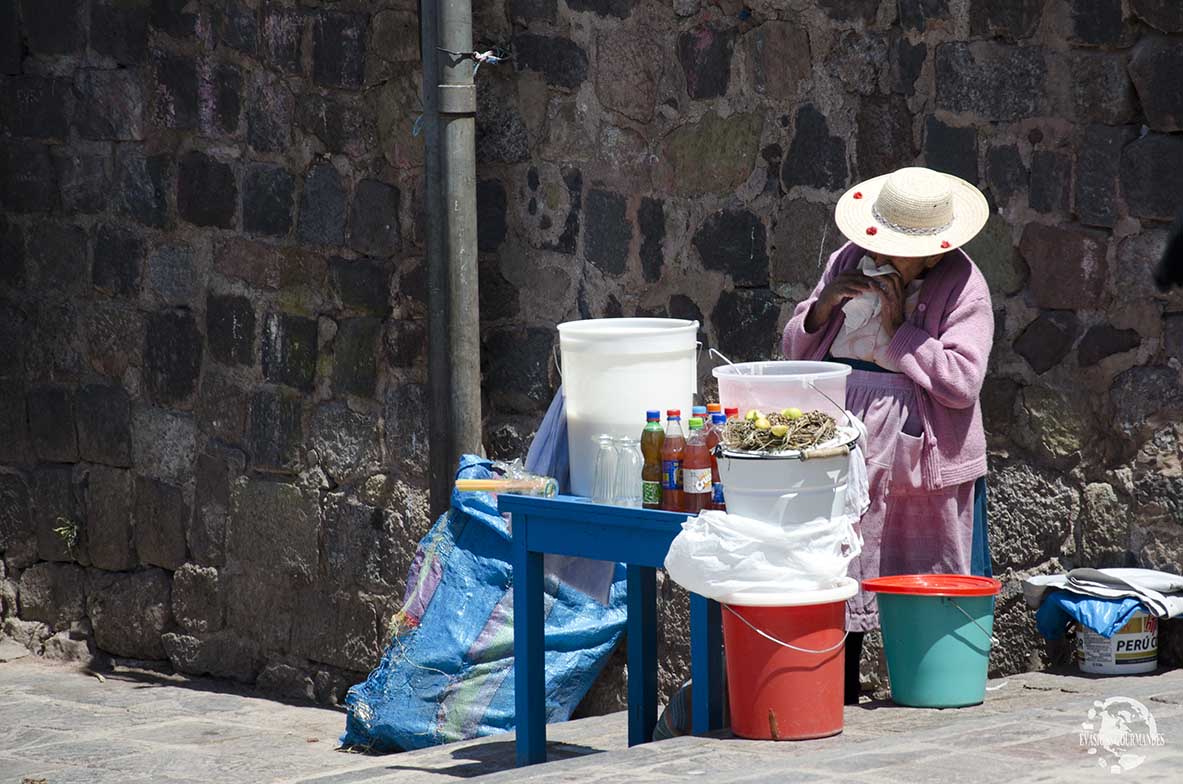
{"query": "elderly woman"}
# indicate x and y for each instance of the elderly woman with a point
(906, 308)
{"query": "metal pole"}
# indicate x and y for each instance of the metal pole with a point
(450, 169)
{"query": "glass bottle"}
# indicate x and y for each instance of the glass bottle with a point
(604, 474)
(629, 463)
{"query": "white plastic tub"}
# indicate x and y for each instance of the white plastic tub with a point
(614, 370)
(772, 386)
(1133, 650)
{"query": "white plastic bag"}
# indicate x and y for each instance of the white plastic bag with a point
(719, 554)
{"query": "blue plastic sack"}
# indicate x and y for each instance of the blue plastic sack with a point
(1104, 616)
(548, 455)
(448, 674)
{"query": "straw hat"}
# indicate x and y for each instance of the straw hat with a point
(911, 212)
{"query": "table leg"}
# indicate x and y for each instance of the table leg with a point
(642, 653)
(706, 664)
(528, 648)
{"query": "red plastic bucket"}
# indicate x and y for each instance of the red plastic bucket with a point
(786, 664)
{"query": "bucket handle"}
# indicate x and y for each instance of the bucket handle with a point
(782, 643)
(973, 620)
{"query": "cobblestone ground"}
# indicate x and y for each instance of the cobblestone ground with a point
(60, 725)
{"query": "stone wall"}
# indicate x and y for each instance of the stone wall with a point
(213, 290)
(212, 326)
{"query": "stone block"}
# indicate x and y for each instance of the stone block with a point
(217, 470)
(1172, 336)
(347, 634)
(857, 62)
(1068, 266)
(1013, 20)
(951, 150)
(162, 443)
(35, 107)
(1031, 513)
(282, 38)
(198, 605)
(917, 14)
(239, 28)
(907, 62)
(109, 496)
(626, 75)
(51, 423)
(778, 53)
(491, 216)
(269, 266)
(360, 285)
(172, 357)
(885, 136)
(517, 369)
(57, 515)
(11, 49)
(364, 546)
(1157, 71)
(1104, 340)
(561, 61)
(289, 350)
(275, 430)
(1047, 339)
(28, 180)
(118, 259)
(1097, 22)
(174, 95)
(1104, 526)
(405, 340)
(1143, 394)
(15, 446)
(54, 594)
(13, 274)
(220, 87)
(651, 223)
(86, 179)
(346, 442)
(751, 316)
(734, 242)
(270, 109)
(993, 80)
(501, 135)
(1101, 90)
(355, 352)
(404, 416)
(849, 10)
(104, 424)
(230, 329)
(57, 256)
(265, 604)
(394, 35)
(802, 239)
(1165, 15)
(171, 274)
(998, 405)
(1054, 425)
(705, 54)
(54, 26)
(339, 49)
(1137, 258)
(119, 30)
(113, 339)
(267, 200)
(322, 207)
(993, 250)
(1097, 169)
(221, 406)
(815, 158)
(130, 611)
(172, 18)
(110, 105)
(222, 655)
(609, 231)
(55, 332)
(207, 193)
(618, 9)
(373, 219)
(286, 681)
(161, 517)
(275, 529)
(142, 186)
(16, 522)
(1051, 181)
(343, 126)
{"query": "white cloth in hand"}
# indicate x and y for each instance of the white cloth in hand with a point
(861, 309)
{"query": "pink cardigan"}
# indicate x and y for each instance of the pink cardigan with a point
(943, 347)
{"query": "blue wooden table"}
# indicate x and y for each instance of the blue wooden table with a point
(640, 538)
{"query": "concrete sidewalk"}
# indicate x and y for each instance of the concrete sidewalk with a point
(59, 725)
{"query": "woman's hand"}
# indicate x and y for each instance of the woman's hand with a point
(891, 299)
(843, 287)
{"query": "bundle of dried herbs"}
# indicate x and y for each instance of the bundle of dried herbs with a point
(777, 432)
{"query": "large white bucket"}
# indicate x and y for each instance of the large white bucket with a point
(772, 386)
(1133, 650)
(614, 370)
(784, 490)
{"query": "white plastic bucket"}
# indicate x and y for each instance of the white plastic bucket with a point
(1133, 650)
(772, 386)
(784, 490)
(614, 370)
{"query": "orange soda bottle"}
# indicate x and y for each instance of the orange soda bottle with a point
(672, 450)
(696, 470)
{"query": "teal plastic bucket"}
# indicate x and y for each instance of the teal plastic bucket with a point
(937, 632)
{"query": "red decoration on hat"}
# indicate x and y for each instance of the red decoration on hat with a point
(944, 243)
(858, 194)
(872, 230)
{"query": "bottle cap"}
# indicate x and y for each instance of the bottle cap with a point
(699, 409)
(714, 408)
(653, 416)
(730, 412)
(673, 412)
(718, 419)
(695, 423)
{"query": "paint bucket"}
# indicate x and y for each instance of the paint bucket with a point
(1133, 650)
(937, 631)
(785, 662)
